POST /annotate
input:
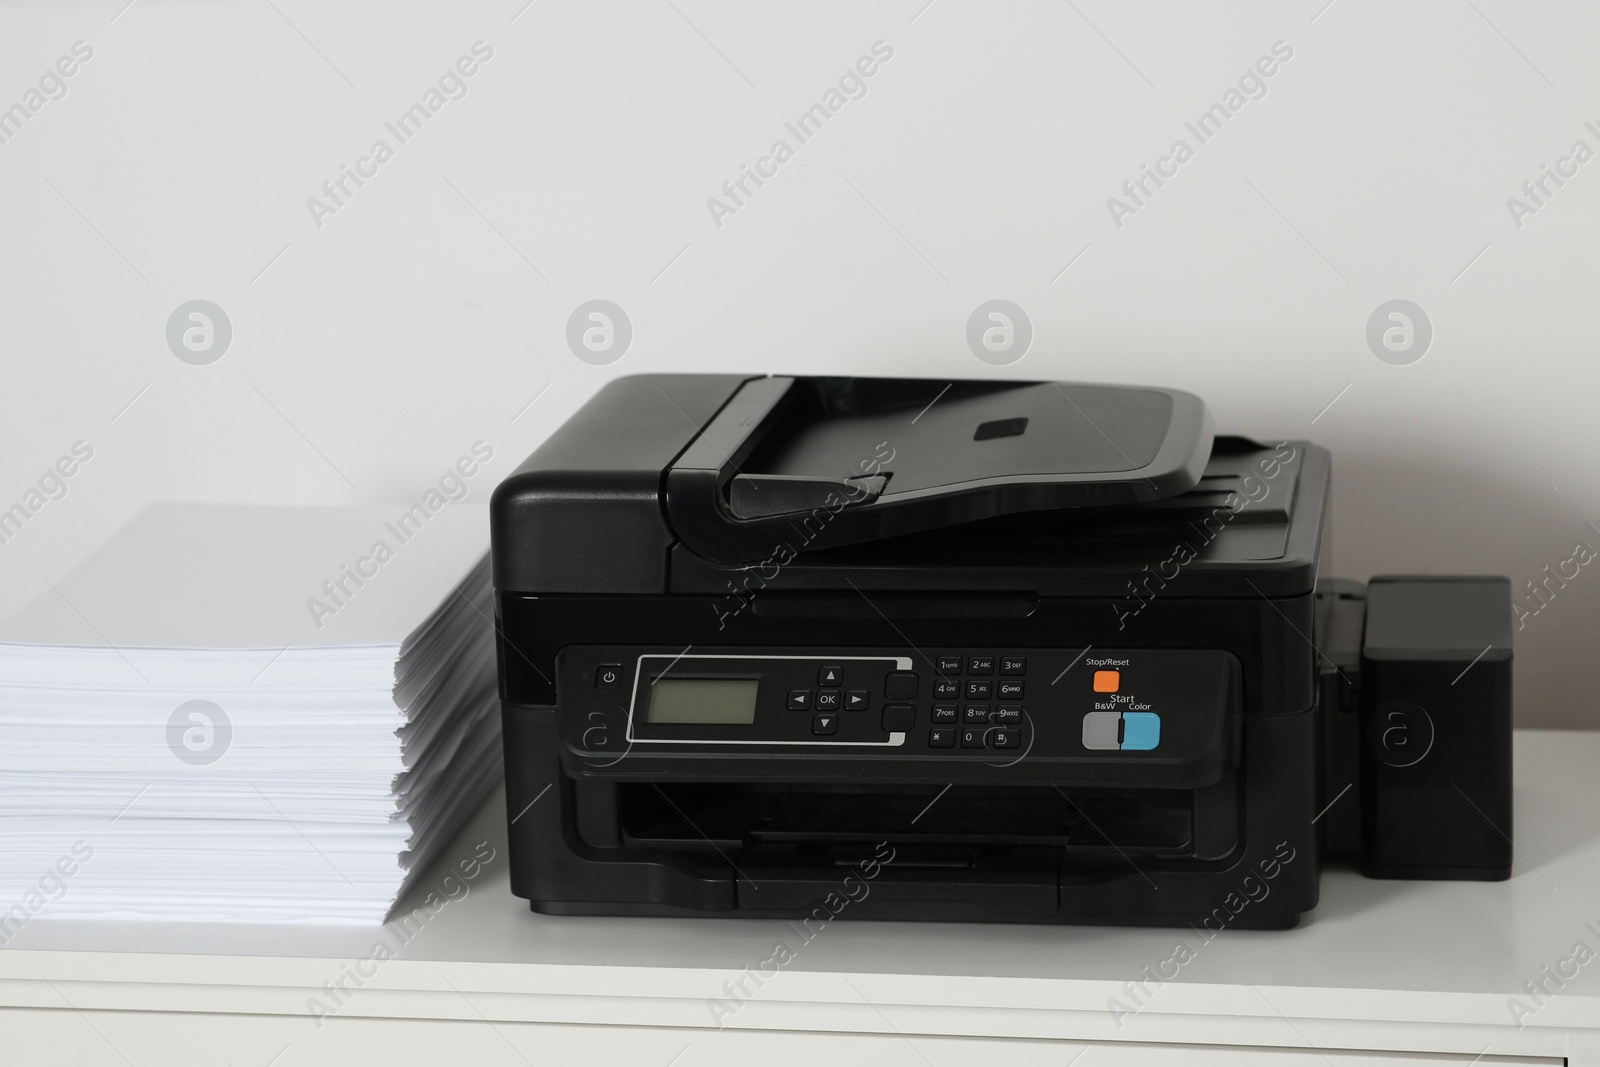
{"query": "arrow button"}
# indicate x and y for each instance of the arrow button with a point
(825, 725)
(800, 700)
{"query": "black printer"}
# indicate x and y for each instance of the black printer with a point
(978, 650)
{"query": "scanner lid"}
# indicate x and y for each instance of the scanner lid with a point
(840, 461)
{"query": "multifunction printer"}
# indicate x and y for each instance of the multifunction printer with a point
(1025, 651)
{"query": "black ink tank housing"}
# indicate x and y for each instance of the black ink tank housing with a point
(1056, 650)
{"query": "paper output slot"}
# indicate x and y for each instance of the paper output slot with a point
(779, 604)
(818, 821)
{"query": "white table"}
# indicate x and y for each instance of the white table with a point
(1400, 969)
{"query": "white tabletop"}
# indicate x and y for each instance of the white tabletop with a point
(1441, 959)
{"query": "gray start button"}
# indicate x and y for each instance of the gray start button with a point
(1100, 730)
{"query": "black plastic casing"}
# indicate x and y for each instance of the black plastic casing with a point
(1415, 711)
(585, 554)
(1436, 697)
(584, 513)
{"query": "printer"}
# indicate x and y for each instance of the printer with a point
(1006, 651)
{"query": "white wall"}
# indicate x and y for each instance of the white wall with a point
(429, 309)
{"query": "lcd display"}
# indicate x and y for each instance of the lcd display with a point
(702, 700)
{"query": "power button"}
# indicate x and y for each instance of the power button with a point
(608, 676)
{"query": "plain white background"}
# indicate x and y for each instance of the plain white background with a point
(371, 351)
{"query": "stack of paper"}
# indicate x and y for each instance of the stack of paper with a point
(254, 714)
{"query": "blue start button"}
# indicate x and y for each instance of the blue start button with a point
(1141, 731)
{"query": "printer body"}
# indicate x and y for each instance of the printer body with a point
(974, 651)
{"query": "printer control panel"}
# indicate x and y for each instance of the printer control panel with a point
(911, 706)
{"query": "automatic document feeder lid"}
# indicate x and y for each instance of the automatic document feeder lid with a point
(845, 460)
